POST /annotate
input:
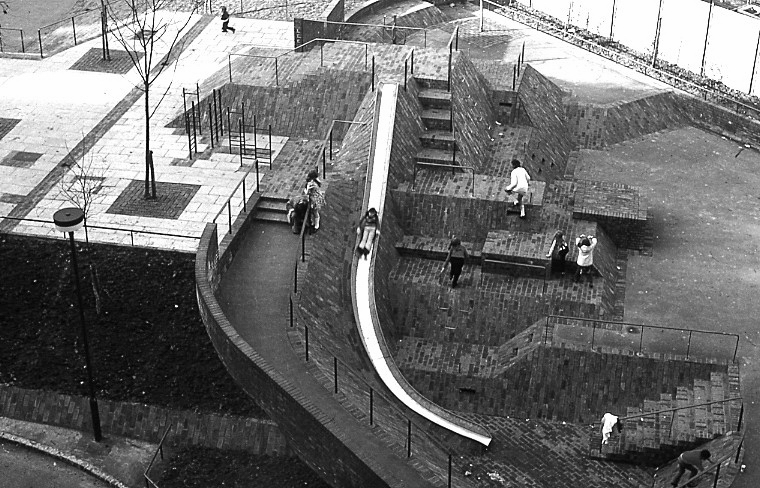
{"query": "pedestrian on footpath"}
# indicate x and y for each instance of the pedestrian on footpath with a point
(586, 245)
(609, 423)
(226, 21)
(519, 182)
(457, 255)
(558, 252)
(691, 461)
(367, 230)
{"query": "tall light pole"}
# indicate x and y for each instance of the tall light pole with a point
(70, 220)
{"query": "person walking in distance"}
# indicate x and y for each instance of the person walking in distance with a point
(457, 255)
(519, 181)
(691, 461)
(558, 252)
(586, 245)
(609, 423)
(367, 231)
(226, 21)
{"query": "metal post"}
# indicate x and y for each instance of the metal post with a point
(74, 29)
(295, 277)
(189, 139)
(449, 475)
(324, 166)
(256, 162)
(245, 205)
(717, 475)
(456, 42)
(738, 451)
(306, 332)
(408, 438)
(290, 299)
(39, 36)
(211, 124)
(754, 64)
(514, 77)
(424, 38)
(198, 99)
(276, 73)
(656, 43)
(741, 419)
(321, 54)
(221, 119)
(481, 15)
(195, 135)
(270, 146)
(229, 128)
(707, 36)
(95, 414)
(688, 346)
(406, 69)
(255, 138)
(641, 340)
(448, 80)
(216, 110)
(335, 373)
(412, 70)
(229, 65)
(612, 20)
(593, 334)
(331, 132)
(373, 73)
(229, 216)
(736, 349)
(371, 406)
(366, 55)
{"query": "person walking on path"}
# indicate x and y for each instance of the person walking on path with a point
(367, 230)
(519, 182)
(691, 461)
(457, 255)
(609, 423)
(226, 21)
(586, 245)
(558, 252)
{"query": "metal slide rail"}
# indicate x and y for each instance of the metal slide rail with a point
(363, 281)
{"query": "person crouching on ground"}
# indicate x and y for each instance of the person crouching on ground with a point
(586, 245)
(367, 230)
(457, 255)
(609, 423)
(297, 207)
(519, 182)
(691, 461)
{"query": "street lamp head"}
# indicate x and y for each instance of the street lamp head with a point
(69, 219)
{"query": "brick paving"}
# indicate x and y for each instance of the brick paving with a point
(20, 159)
(171, 200)
(6, 125)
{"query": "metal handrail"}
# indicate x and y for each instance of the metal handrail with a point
(160, 449)
(713, 466)
(103, 227)
(290, 51)
(438, 165)
(640, 66)
(658, 412)
(232, 194)
(642, 326)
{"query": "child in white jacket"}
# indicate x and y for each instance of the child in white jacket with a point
(585, 261)
(519, 182)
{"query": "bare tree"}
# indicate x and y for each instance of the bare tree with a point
(138, 26)
(82, 187)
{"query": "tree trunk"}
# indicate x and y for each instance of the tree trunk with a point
(147, 147)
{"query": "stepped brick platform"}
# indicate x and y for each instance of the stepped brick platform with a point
(620, 208)
(663, 434)
(434, 247)
(519, 252)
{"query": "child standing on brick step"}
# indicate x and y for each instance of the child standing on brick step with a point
(519, 182)
(457, 255)
(586, 245)
(558, 252)
(316, 197)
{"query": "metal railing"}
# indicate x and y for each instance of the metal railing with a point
(295, 50)
(595, 324)
(453, 45)
(709, 469)
(89, 227)
(4, 41)
(243, 201)
(560, 32)
(62, 30)
(383, 29)
(149, 483)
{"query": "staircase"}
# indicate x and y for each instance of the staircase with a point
(438, 142)
(271, 209)
(657, 438)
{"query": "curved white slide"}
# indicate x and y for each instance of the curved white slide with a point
(364, 302)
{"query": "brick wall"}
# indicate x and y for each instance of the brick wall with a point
(473, 113)
(406, 136)
(552, 140)
(545, 384)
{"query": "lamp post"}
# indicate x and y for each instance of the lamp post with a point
(70, 220)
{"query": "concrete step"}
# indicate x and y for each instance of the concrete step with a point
(436, 156)
(432, 83)
(271, 209)
(438, 139)
(435, 98)
(437, 119)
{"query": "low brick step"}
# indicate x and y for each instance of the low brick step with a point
(435, 98)
(436, 156)
(271, 209)
(437, 119)
(432, 83)
(438, 139)
(433, 247)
